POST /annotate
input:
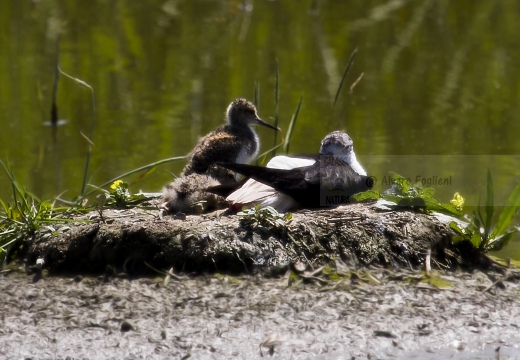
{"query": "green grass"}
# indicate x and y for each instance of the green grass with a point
(487, 232)
(292, 124)
(345, 72)
(90, 137)
(276, 102)
(24, 216)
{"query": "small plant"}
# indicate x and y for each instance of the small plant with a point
(267, 217)
(403, 193)
(119, 193)
(20, 219)
(119, 196)
(416, 197)
(480, 232)
(457, 201)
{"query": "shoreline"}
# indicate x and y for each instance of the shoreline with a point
(220, 316)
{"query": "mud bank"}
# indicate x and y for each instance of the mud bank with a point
(358, 234)
(223, 317)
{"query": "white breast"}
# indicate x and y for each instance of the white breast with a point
(355, 165)
(244, 155)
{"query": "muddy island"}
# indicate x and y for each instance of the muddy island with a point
(357, 234)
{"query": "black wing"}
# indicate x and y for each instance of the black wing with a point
(312, 186)
(226, 189)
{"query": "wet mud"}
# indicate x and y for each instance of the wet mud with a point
(222, 317)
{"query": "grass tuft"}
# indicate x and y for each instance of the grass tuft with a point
(290, 130)
(276, 102)
(480, 232)
(20, 219)
(345, 72)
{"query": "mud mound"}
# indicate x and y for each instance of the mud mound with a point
(127, 239)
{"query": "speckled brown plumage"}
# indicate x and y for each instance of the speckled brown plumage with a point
(186, 194)
(222, 145)
(234, 142)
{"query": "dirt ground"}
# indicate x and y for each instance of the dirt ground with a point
(127, 239)
(222, 317)
(380, 309)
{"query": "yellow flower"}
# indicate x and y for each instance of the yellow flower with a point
(116, 184)
(457, 201)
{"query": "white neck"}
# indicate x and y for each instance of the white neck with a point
(245, 156)
(354, 164)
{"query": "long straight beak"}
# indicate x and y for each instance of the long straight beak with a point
(262, 122)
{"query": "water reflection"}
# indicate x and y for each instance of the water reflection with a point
(440, 77)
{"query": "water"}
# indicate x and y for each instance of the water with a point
(440, 78)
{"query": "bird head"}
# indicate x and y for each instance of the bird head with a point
(242, 112)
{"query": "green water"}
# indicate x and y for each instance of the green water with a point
(440, 78)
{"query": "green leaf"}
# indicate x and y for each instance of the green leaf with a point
(476, 239)
(458, 238)
(276, 112)
(143, 175)
(456, 228)
(451, 209)
(506, 216)
(4, 206)
(367, 195)
(427, 192)
(291, 126)
(390, 197)
(501, 241)
(490, 202)
(402, 184)
(476, 222)
(345, 72)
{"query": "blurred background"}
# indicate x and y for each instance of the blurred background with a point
(439, 93)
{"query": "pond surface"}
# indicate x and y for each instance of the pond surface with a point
(438, 96)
